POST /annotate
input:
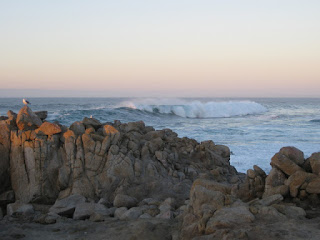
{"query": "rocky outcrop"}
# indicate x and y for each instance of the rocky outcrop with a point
(98, 160)
(132, 172)
(221, 209)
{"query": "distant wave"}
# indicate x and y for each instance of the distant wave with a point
(197, 109)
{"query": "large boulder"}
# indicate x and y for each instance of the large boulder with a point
(285, 164)
(27, 120)
(294, 154)
(78, 128)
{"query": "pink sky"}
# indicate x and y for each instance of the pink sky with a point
(209, 49)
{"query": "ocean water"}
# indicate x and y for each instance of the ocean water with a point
(254, 129)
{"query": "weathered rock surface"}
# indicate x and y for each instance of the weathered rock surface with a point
(27, 120)
(48, 128)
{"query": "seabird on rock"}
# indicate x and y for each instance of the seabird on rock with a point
(90, 116)
(26, 102)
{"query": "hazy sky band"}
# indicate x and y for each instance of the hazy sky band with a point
(189, 48)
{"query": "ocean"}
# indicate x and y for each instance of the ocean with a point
(254, 129)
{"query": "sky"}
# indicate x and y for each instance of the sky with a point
(125, 48)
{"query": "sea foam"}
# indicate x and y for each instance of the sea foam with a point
(198, 109)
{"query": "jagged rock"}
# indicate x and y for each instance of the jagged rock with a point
(293, 154)
(285, 164)
(42, 114)
(67, 206)
(16, 209)
(27, 120)
(314, 160)
(78, 128)
(48, 128)
(122, 200)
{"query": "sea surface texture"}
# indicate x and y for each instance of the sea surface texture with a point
(254, 129)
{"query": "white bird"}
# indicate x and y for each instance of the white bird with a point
(90, 116)
(26, 102)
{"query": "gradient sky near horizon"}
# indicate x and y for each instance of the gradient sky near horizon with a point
(187, 48)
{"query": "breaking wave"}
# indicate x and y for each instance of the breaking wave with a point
(197, 109)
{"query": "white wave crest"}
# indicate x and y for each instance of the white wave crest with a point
(197, 109)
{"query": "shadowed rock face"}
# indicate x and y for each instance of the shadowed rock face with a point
(48, 161)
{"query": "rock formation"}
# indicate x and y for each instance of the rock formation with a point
(130, 171)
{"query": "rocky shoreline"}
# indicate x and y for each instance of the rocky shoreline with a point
(96, 180)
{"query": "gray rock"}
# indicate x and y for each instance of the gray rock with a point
(166, 215)
(14, 209)
(83, 211)
(67, 206)
(77, 128)
(145, 216)
(119, 211)
(131, 214)
(95, 123)
(267, 201)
